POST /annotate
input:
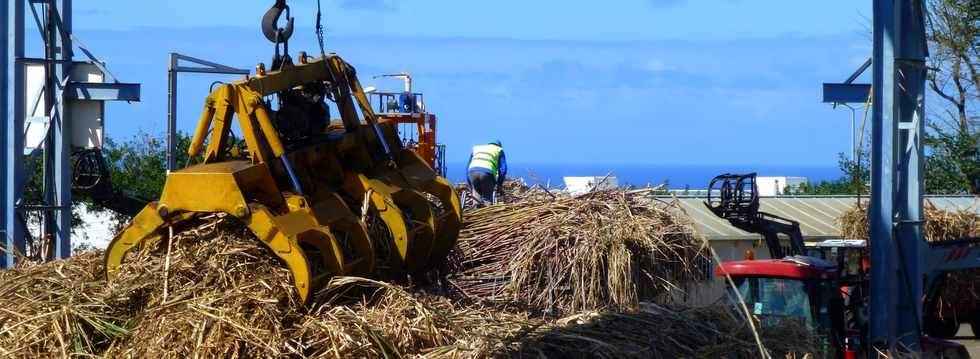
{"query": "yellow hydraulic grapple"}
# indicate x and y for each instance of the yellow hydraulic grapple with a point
(329, 198)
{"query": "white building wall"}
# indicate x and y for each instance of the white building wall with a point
(776, 185)
(581, 185)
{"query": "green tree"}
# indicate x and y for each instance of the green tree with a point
(138, 165)
(854, 182)
(952, 139)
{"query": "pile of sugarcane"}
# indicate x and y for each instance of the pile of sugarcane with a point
(604, 250)
(513, 191)
(215, 292)
(961, 288)
(212, 290)
(940, 225)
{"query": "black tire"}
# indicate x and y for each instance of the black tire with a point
(942, 328)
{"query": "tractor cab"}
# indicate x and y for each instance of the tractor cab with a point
(417, 126)
(799, 289)
(822, 285)
(850, 256)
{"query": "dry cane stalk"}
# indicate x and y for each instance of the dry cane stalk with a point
(366, 204)
(227, 296)
(166, 264)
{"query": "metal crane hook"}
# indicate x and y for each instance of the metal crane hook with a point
(270, 22)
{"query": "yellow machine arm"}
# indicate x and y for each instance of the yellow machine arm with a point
(327, 202)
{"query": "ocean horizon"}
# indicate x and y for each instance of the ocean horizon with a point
(677, 176)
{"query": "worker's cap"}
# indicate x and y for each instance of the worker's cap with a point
(496, 142)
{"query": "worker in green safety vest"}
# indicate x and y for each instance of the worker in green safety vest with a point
(486, 171)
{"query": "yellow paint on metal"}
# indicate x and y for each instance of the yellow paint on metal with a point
(383, 205)
(144, 225)
(421, 224)
(321, 233)
(269, 230)
(449, 220)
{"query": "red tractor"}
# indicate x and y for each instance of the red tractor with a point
(823, 286)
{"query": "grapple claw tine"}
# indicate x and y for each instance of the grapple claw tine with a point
(421, 226)
(280, 233)
(449, 222)
(146, 224)
(449, 218)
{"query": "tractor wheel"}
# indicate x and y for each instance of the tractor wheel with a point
(942, 327)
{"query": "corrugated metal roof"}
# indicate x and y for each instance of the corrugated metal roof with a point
(817, 214)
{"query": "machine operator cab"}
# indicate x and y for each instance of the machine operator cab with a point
(398, 103)
(792, 288)
(811, 291)
(417, 126)
(850, 255)
(797, 289)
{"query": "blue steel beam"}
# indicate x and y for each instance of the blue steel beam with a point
(845, 93)
(881, 207)
(11, 153)
(860, 70)
(911, 51)
(57, 144)
(103, 91)
(62, 140)
(895, 213)
(5, 65)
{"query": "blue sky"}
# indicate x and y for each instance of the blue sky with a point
(634, 81)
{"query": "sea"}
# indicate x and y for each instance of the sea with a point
(677, 176)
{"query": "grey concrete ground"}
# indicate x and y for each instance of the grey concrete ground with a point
(966, 337)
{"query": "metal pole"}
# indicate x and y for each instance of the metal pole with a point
(853, 120)
(47, 164)
(5, 115)
(57, 145)
(13, 129)
(171, 114)
(174, 69)
(63, 138)
(48, 227)
(852, 132)
(881, 211)
(911, 52)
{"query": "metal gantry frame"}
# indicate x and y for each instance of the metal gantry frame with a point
(899, 254)
(895, 213)
(206, 67)
(57, 144)
(54, 23)
(846, 93)
(11, 17)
